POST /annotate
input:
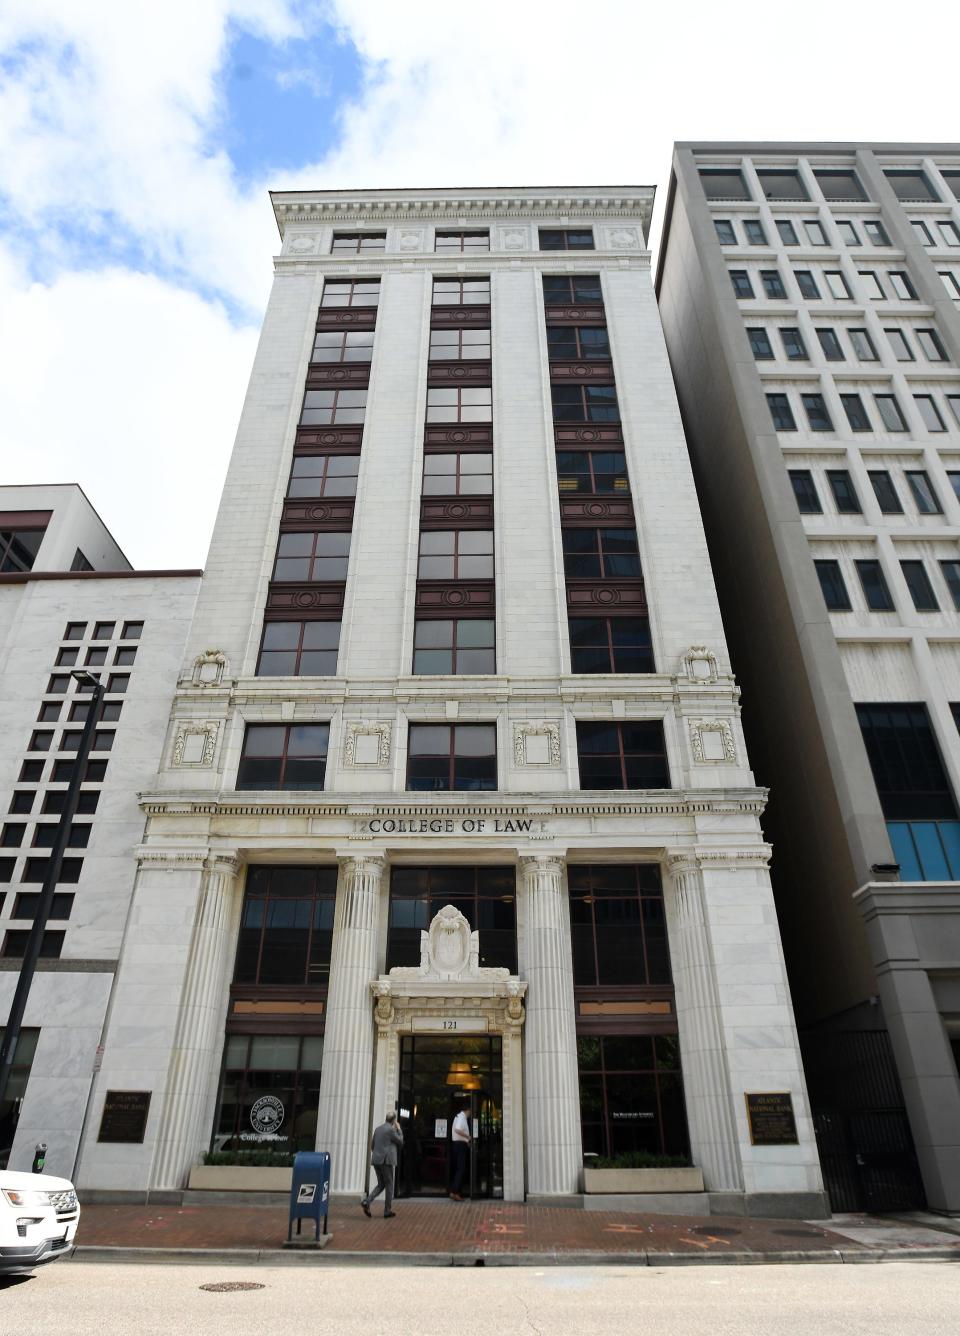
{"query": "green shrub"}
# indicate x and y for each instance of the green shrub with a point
(638, 1159)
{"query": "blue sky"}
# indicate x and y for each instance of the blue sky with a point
(138, 144)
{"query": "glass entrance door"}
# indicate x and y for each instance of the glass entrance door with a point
(438, 1075)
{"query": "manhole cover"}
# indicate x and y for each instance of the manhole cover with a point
(231, 1286)
(718, 1231)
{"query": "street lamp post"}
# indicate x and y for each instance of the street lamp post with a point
(11, 1033)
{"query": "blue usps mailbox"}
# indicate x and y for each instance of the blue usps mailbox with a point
(310, 1190)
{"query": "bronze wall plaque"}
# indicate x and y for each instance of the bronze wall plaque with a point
(771, 1118)
(125, 1116)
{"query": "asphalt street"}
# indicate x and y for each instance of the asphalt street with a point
(881, 1299)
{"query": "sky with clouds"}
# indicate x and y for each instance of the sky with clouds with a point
(138, 143)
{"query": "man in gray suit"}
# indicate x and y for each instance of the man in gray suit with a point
(386, 1138)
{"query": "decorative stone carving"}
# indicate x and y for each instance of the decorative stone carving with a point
(536, 744)
(209, 668)
(623, 238)
(367, 745)
(449, 952)
(411, 241)
(195, 744)
(513, 238)
(712, 742)
(699, 664)
(305, 243)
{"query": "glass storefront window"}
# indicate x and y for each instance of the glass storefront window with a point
(631, 1095)
(269, 1093)
(486, 896)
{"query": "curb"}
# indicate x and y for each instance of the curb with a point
(283, 1257)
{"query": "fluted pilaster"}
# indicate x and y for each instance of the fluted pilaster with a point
(343, 1124)
(198, 1038)
(713, 1133)
(554, 1152)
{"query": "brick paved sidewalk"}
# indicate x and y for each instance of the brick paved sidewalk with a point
(429, 1227)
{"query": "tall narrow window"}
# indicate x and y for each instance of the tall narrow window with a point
(902, 286)
(808, 502)
(930, 345)
(844, 493)
(793, 345)
(462, 242)
(885, 492)
(807, 284)
(816, 411)
(875, 588)
(929, 411)
(837, 285)
(742, 287)
(898, 342)
(889, 411)
(755, 233)
(760, 345)
(788, 233)
(876, 232)
(855, 411)
(781, 412)
(830, 343)
(918, 480)
(918, 583)
(773, 284)
(951, 576)
(725, 233)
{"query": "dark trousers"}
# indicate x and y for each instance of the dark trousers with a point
(460, 1151)
(384, 1173)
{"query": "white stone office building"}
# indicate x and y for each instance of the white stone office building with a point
(457, 645)
(69, 600)
(809, 295)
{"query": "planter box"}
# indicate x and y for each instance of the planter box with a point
(642, 1180)
(240, 1178)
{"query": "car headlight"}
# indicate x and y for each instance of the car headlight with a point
(17, 1198)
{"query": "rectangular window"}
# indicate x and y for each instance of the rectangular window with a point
(838, 184)
(325, 408)
(66, 658)
(911, 185)
(760, 345)
(898, 342)
(286, 927)
(278, 756)
(885, 492)
(932, 348)
(350, 292)
(610, 645)
(815, 233)
(793, 345)
(456, 554)
(872, 284)
(571, 290)
(462, 242)
(36, 870)
(773, 284)
(618, 934)
(923, 494)
(485, 895)
(19, 548)
(951, 575)
(357, 243)
(461, 291)
(876, 232)
(781, 412)
(324, 475)
(844, 494)
(584, 403)
(628, 755)
(782, 184)
(21, 801)
(28, 902)
(788, 233)
(132, 631)
(75, 631)
(299, 649)
(874, 585)
(288, 1065)
(889, 411)
(929, 412)
(902, 287)
(460, 404)
(848, 233)
(953, 400)
(459, 345)
(742, 287)
(807, 285)
(921, 232)
(568, 343)
(724, 230)
(566, 238)
(918, 583)
(949, 234)
(837, 285)
(460, 474)
(592, 471)
(601, 554)
(454, 645)
(459, 757)
(855, 411)
(104, 630)
(335, 346)
(621, 1077)
(755, 233)
(830, 343)
(720, 183)
(816, 411)
(11, 835)
(306, 557)
(15, 944)
(808, 502)
(954, 479)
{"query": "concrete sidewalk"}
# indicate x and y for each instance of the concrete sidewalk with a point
(498, 1233)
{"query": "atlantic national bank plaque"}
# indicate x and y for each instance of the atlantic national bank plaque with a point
(771, 1118)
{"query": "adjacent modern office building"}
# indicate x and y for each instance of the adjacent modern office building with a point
(809, 295)
(69, 602)
(453, 800)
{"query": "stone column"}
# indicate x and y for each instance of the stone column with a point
(713, 1131)
(554, 1151)
(198, 1037)
(343, 1123)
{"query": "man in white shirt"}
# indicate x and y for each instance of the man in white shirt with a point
(460, 1146)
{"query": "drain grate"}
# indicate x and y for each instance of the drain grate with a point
(232, 1286)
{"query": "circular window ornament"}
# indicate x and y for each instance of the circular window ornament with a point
(267, 1114)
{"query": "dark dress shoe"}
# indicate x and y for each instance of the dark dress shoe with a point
(388, 1215)
(365, 1209)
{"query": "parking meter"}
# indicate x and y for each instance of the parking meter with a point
(309, 1190)
(39, 1158)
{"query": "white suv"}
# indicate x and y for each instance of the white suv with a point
(38, 1219)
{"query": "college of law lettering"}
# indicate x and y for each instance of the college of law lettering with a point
(451, 826)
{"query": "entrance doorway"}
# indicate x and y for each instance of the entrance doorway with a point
(438, 1074)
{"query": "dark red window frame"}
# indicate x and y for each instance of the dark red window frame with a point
(634, 750)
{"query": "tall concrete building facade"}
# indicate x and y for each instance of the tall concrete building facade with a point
(809, 295)
(453, 802)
